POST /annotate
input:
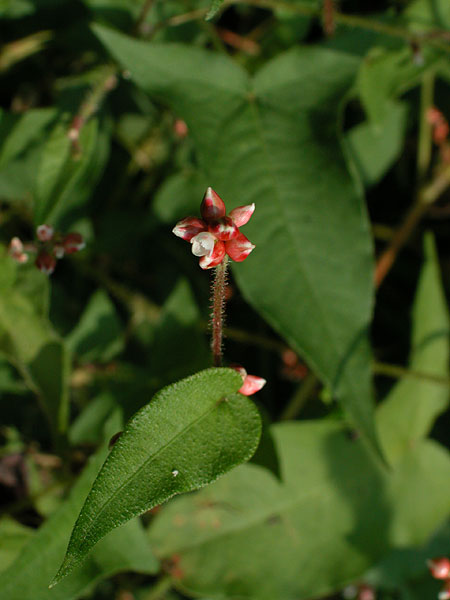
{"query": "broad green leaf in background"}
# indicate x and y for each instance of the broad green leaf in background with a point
(28, 341)
(88, 426)
(189, 434)
(179, 346)
(125, 549)
(21, 141)
(373, 149)
(98, 335)
(274, 141)
(13, 536)
(12, 9)
(65, 180)
(332, 513)
(178, 196)
(409, 411)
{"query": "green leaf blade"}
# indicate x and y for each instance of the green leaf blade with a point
(186, 437)
(408, 413)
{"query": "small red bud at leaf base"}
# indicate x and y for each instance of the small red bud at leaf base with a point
(241, 215)
(251, 383)
(366, 593)
(239, 248)
(73, 242)
(44, 233)
(224, 229)
(16, 250)
(212, 206)
(439, 567)
(46, 263)
(189, 228)
(215, 258)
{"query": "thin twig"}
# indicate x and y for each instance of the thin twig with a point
(398, 372)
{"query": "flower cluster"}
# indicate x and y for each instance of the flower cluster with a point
(49, 247)
(216, 234)
(440, 569)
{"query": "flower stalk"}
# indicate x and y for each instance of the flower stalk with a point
(218, 310)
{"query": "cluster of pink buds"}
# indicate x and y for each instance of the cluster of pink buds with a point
(440, 569)
(215, 234)
(440, 130)
(251, 383)
(49, 247)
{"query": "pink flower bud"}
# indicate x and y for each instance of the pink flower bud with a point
(366, 593)
(16, 250)
(252, 383)
(224, 229)
(44, 233)
(46, 263)
(73, 242)
(189, 227)
(215, 258)
(439, 567)
(180, 128)
(241, 215)
(239, 248)
(212, 206)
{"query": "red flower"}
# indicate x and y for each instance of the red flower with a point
(216, 234)
(439, 567)
(251, 383)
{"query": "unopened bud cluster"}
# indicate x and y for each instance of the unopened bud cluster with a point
(49, 246)
(440, 569)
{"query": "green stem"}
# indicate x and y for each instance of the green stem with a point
(425, 138)
(300, 398)
(218, 310)
(398, 372)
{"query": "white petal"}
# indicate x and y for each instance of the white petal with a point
(203, 244)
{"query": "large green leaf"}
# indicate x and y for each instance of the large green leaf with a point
(122, 550)
(331, 514)
(409, 411)
(98, 335)
(274, 141)
(189, 434)
(28, 341)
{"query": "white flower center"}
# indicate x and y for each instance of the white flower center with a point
(203, 244)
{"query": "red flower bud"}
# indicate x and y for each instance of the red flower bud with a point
(212, 206)
(46, 263)
(73, 242)
(439, 567)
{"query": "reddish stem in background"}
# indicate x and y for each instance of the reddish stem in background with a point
(218, 310)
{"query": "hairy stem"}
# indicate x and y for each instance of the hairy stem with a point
(218, 310)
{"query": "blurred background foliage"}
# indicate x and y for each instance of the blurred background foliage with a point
(114, 117)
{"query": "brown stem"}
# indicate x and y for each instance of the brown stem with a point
(218, 310)
(139, 25)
